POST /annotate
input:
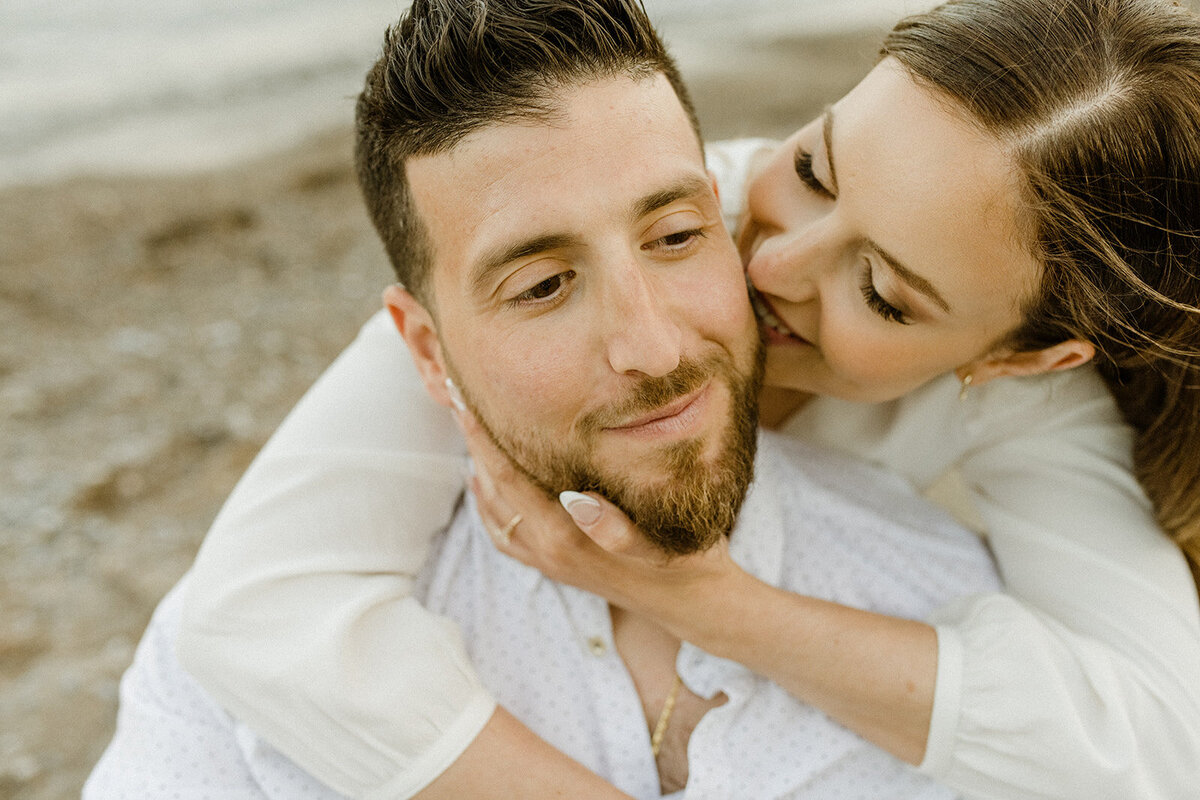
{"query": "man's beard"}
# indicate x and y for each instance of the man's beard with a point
(696, 500)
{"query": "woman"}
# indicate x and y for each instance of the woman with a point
(1012, 195)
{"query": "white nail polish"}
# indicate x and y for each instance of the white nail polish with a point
(455, 395)
(583, 509)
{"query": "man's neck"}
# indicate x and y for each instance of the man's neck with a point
(649, 653)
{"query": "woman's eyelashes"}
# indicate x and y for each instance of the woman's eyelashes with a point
(876, 302)
(545, 292)
(804, 169)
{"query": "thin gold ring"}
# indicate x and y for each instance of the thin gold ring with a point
(505, 533)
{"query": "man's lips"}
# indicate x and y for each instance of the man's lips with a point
(677, 415)
(770, 320)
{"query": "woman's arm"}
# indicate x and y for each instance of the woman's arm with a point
(299, 619)
(873, 673)
(1083, 682)
(1100, 627)
(508, 760)
(1098, 636)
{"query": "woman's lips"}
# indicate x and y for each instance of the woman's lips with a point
(777, 329)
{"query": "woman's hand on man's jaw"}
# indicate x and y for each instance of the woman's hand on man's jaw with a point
(586, 541)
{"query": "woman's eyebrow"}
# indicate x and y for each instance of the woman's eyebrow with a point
(827, 133)
(917, 282)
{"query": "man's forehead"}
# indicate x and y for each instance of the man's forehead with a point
(609, 153)
(557, 120)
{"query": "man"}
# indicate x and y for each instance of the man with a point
(560, 239)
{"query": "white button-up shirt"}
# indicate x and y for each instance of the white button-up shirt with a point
(814, 522)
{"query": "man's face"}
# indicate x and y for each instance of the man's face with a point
(592, 309)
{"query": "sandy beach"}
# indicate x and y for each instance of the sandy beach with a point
(157, 330)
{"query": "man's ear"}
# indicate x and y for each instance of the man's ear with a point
(1064, 355)
(712, 178)
(416, 326)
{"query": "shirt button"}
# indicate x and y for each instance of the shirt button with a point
(597, 646)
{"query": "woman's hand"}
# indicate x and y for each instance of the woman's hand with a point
(874, 674)
(584, 540)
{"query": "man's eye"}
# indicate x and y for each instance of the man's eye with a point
(676, 242)
(545, 290)
(676, 239)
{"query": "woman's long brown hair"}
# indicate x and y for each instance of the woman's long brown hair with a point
(1098, 104)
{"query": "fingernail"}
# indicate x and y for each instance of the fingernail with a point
(455, 395)
(583, 509)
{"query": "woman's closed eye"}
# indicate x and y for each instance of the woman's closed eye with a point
(804, 169)
(876, 302)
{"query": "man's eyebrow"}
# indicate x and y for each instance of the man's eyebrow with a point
(686, 187)
(827, 133)
(494, 260)
(914, 280)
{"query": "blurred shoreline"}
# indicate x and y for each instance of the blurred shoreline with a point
(141, 87)
(159, 328)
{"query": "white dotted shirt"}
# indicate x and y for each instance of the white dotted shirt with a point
(853, 535)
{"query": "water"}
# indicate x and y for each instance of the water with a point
(173, 85)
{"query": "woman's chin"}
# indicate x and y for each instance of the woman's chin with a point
(781, 375)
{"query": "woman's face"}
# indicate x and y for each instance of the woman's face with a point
(884, 245)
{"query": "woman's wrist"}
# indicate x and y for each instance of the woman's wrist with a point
(873, 673)
(700, 604)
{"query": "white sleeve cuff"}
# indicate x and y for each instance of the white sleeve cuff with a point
(435, 760)
(947, 703)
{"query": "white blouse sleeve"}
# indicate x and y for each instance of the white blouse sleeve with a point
(299, 620)
(1084, 680)
(731, 162)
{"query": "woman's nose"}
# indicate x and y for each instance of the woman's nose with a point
(786, 264)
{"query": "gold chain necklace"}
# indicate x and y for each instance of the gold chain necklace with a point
(664, 717)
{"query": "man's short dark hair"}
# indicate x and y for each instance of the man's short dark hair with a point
(450, 67)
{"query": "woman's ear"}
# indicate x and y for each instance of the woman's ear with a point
(419, 331)
(1064, 355)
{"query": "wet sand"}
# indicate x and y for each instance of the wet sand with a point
(156, 331)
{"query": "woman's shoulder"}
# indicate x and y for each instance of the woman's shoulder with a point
(732, 162)
(1040, 403)
(931, 428)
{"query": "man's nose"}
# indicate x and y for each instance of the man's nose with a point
(641, 333)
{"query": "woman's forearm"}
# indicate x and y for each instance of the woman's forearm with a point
(508, 760)
(872, 673)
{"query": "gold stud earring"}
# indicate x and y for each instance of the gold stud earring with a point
(966, 386)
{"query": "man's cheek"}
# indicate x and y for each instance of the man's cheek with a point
(729, 317)
(528, 391)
